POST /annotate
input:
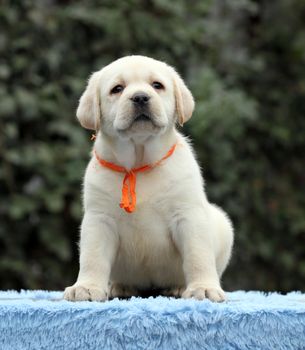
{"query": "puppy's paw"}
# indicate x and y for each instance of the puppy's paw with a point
(173, 292)
(201, 291)
(118, 290)
(89, 292)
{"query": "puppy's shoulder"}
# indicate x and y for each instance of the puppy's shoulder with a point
(185, 152)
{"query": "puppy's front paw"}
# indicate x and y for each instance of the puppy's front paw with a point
(90, 292)
(201, 291)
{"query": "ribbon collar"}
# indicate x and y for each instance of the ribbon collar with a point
(129, 197)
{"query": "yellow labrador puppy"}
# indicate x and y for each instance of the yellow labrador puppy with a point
(147, 221)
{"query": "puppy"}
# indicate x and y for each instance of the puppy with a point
(153, 227)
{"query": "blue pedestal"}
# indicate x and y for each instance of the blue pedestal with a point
(252, 320)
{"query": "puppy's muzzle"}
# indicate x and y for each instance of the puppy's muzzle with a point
(140, 99)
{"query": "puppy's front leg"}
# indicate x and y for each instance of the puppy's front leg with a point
(98, 247)
(193, 237)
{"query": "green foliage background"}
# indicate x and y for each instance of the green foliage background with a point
(245, 63)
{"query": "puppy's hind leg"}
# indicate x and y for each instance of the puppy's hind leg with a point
(223, 237)
(118, 290)
(175, 292)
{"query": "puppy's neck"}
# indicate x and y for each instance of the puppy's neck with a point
(133, 153)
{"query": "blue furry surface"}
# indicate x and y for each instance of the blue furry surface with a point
(248, 320)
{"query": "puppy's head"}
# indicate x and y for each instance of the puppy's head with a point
(135, 95)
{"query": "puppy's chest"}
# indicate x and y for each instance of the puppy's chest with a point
(144, 235)
(151, 188)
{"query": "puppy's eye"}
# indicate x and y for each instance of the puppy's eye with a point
(157, 85)
(117, 89)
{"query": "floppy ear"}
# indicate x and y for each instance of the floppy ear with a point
(89, 110)
(184, 100)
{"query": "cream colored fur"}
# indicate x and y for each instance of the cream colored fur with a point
(175, 240)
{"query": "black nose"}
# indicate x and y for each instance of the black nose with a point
(140, 98)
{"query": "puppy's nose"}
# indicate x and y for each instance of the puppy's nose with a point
(140, 98)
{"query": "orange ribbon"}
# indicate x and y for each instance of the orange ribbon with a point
(129, 197)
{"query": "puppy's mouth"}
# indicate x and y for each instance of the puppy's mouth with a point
(143, 117)
(140, 122)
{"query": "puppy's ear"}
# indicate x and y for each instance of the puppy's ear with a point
(184, 100)
(89, 109)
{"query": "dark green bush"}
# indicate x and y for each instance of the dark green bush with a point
(245, 63)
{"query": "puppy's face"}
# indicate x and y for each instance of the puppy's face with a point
(136, 97)
(133, 96)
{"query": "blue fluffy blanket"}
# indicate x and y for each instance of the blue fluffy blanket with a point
(252, 320)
